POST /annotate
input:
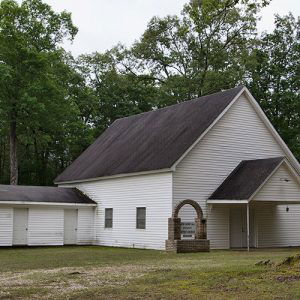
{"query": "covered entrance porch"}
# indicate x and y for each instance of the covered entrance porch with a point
(262, 200)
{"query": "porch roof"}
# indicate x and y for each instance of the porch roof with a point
(245, 180)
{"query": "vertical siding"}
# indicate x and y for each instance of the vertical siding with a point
(239, 135)
(45, 226)
(85, 227)
(6, 226)
(153, 191)
(277, 189)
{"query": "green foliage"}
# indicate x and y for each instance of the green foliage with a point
(200, 52)
(59, 104)
(274, 72)
(37, 89)
(119, 91)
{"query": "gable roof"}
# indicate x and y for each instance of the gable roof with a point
(246, 179)
(149, 141)
(42, 194)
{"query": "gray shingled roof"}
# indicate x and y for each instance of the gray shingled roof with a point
(149, 141)
(245, 179)
(43, 194)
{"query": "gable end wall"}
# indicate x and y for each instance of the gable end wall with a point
(278, 189)
(239, 135)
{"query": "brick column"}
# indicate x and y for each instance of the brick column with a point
(174, 228)
(200, 227)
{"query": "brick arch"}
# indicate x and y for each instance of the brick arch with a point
(193, 203)
(174, 223)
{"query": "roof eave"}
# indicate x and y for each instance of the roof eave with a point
(209, 128)
(290, 156)
(165, 170)
(227, 201)
(266, 121)
(46, 203)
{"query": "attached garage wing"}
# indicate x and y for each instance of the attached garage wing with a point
(40, 216)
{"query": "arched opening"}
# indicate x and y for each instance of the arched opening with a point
(188, 202)
(174, 242)
(175, 221)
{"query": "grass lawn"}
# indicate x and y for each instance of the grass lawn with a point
(115, 273)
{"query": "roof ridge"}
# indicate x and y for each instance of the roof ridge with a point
(180, 103)
(148, 141)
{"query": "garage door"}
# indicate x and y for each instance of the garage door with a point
(70, 226)
(20, 226)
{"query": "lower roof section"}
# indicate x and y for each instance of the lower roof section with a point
(245, 180)
(17, 194)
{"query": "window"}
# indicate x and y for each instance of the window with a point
(141, 217)
(108, 217)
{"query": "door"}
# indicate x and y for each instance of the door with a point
(20, 226)
(238, 227)
(70, 226)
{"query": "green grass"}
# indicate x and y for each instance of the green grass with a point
(115, 273)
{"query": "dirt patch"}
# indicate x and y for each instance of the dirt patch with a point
(290, 278)
(61, 281)
(76, 273)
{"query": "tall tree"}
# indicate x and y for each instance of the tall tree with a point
(202, 51)
(274, 72)
(29, 34)
(119, 90)
(55, 134)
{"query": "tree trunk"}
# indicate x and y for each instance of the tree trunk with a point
(13, 153)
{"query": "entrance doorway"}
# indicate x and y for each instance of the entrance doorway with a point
(70, 226)
(20, 226)
(238, 228)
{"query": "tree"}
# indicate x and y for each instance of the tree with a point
(53, 106)
(274, 78)
(30, 34)
(119, 91)
(200, 52)
(54, 135)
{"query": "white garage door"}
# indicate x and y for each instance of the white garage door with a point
(20, 225)
(70, 226)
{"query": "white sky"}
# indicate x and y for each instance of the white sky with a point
(104, 23)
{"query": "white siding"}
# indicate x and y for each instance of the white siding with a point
(45, 226)
(275, 227)
(6, 226)
(124, 195)
(277, 189)
(239, 135)
(187, 213)
(85, 228)
(218, 227)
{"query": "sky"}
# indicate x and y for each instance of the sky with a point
(103, 24)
